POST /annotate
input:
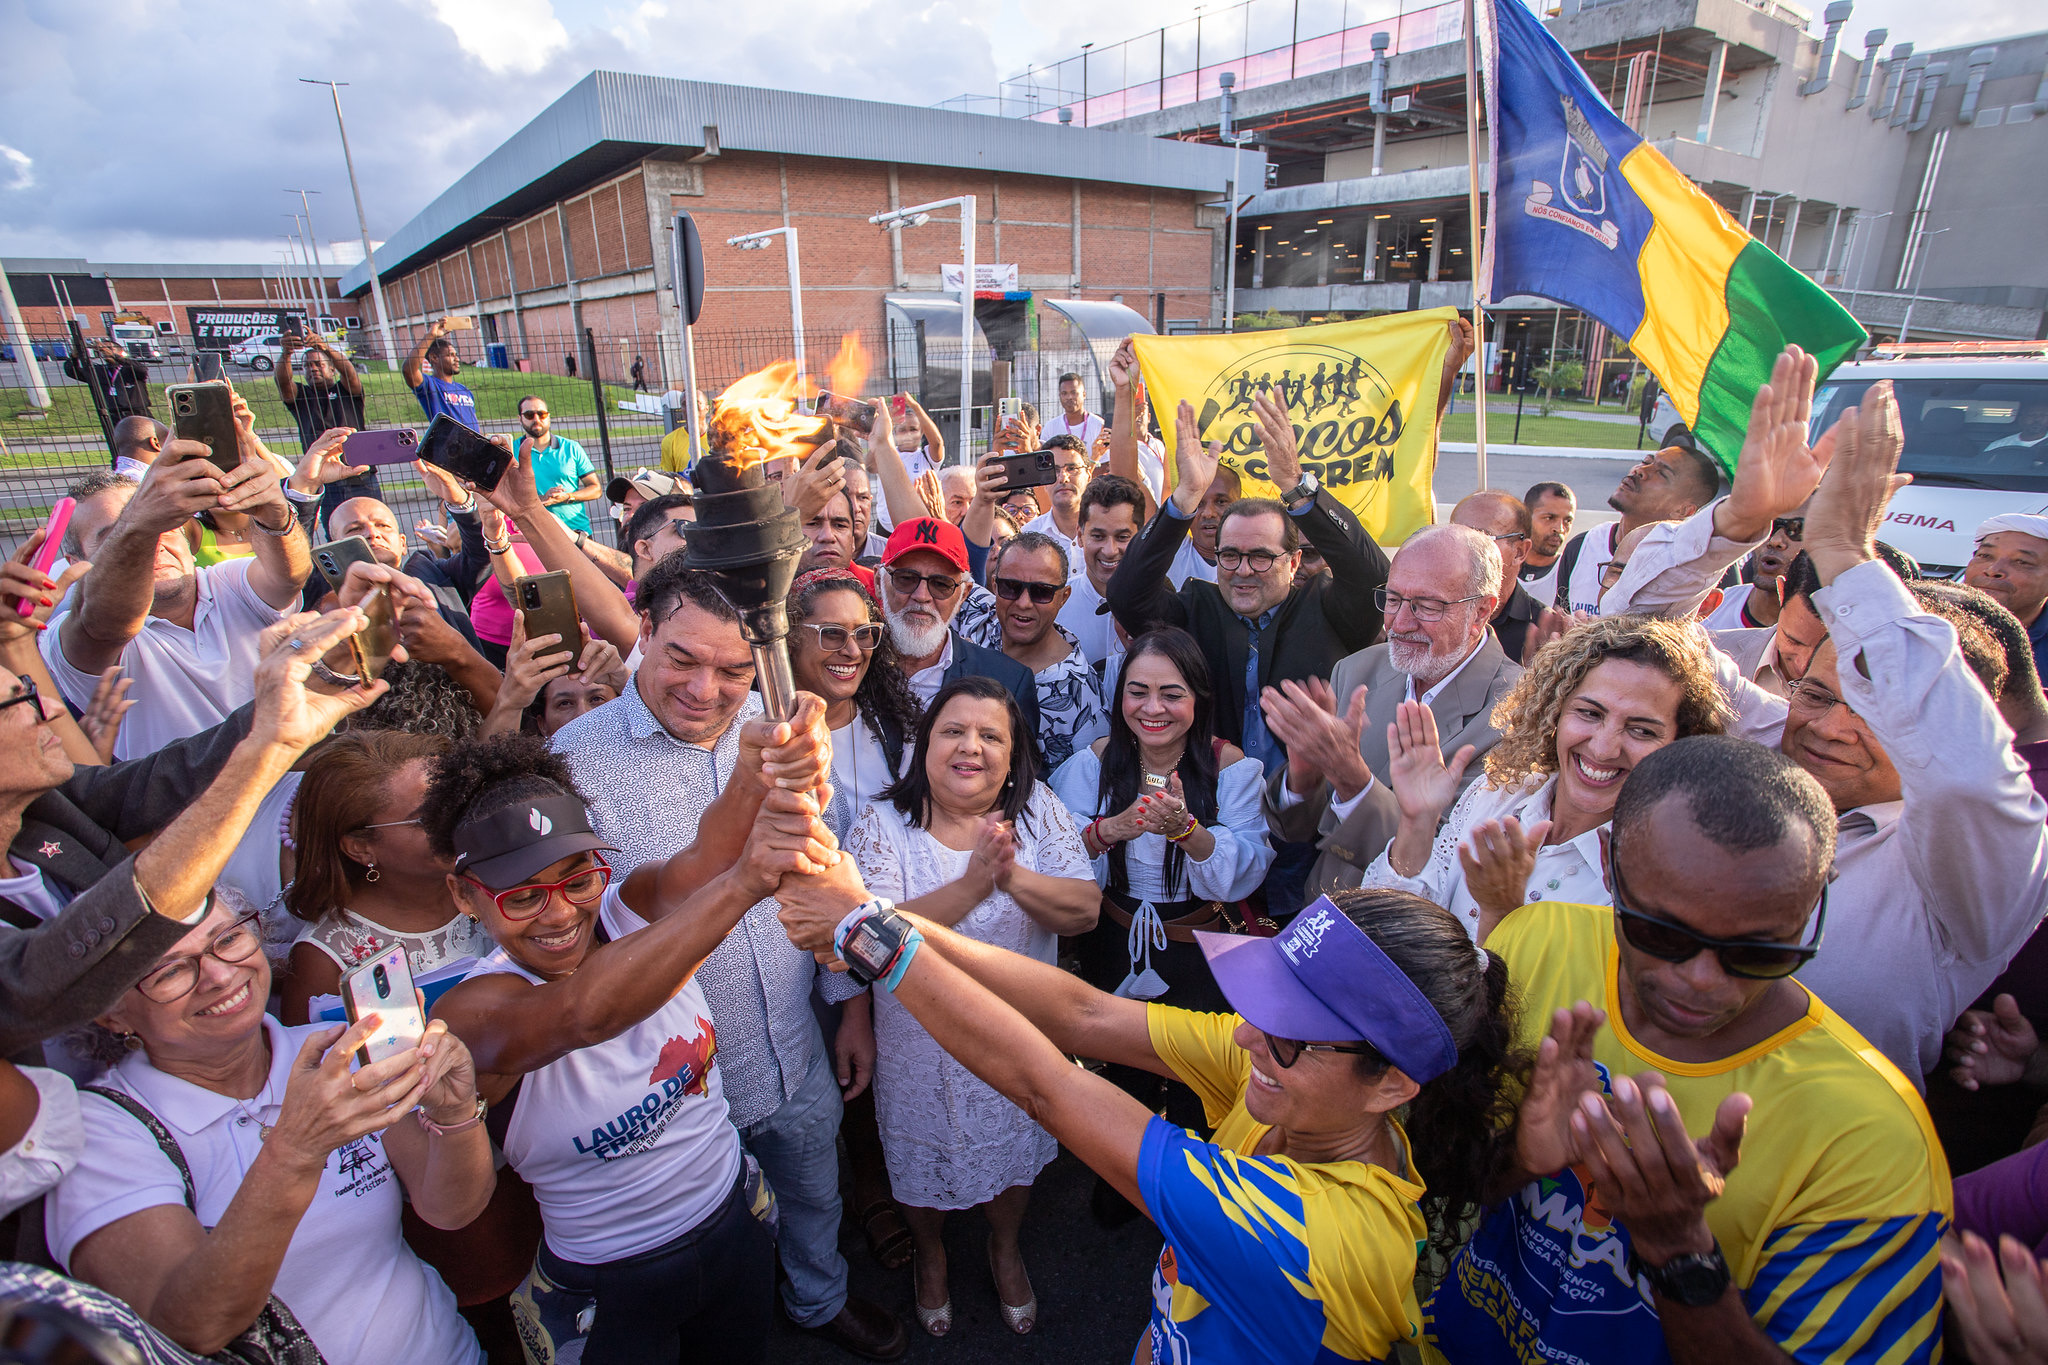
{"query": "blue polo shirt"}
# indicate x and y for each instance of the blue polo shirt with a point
(439, 397)
(561, 464)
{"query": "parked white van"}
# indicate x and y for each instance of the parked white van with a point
(1976, 424)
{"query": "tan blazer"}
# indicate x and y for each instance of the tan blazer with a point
(1463, 711)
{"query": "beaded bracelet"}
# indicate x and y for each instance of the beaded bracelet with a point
(1192, 825)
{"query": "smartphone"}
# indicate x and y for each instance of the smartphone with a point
(392, 445)
(295, 327)
(1031, 469)
(210, 367)
(460, 322)
(846, 411)
(547, 604)
(464, 453)
(1010, 407)
(372, 646)
(904, 418)
(206, 413)
(336, 555)
(382, 985)
(52, 546)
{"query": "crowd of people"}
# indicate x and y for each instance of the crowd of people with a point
(1507, 945)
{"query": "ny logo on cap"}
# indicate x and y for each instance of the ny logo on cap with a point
(926, 532)
(1306, 934)
(541, 824)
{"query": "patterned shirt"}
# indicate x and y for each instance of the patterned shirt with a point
(647, 790)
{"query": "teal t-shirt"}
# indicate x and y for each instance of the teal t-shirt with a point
(562, 465)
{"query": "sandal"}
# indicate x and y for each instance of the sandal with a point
(935, 1321)
(1019, 1318)
(889, 1239)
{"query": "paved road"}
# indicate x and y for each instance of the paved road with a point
(1591, 479)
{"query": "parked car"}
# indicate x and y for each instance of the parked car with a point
(260, 353)
(1976, 426)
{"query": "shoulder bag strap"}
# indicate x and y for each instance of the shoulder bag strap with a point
(157, 1130)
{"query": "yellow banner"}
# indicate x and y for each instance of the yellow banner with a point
(1362, 395)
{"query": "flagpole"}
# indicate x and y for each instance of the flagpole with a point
(1472, 163)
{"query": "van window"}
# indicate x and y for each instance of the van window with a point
(1972, 433)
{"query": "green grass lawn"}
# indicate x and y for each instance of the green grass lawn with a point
(1540, 431)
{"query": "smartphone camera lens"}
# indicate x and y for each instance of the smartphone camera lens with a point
(381, 979)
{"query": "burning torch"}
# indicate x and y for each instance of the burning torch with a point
(744, 536)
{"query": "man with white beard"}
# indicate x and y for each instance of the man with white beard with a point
(924, 578)
(1441, 593)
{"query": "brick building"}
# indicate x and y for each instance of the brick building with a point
(566, 225)
(51, 292)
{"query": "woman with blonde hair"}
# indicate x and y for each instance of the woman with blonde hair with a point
(1594, 703)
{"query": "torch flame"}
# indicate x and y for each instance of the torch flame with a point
(757, 419)
(848, 370)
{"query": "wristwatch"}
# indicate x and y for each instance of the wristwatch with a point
(870, 946)
(1695, 1280)
(1309, 486)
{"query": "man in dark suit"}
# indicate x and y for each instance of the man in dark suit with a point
(82, 919)
(1521, 623)
(924, 579)
(1441, 652)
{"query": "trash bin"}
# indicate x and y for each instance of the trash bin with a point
(495, 356)
(525, 365)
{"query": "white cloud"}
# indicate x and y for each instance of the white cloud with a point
(517, 37)
(24, 168)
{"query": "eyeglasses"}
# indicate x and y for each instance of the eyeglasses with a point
(1755, 959)
(392, 824)
(1069, 472)
(1423, 608)
(1287, 1051)
(832, 639)
(27, 696)
(906, 582)
(1611, 572)
(533, 412)
(525, 902)
(1511, 536)
(1812, 700)
(175, 980)
(1258, 561)
(1793, 527)
(1010, 589)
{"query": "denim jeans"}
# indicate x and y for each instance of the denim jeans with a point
(798, 1148)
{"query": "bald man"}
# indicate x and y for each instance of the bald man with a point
(453, 579)
(1505, 519)
(137, 443)
(2011, 564)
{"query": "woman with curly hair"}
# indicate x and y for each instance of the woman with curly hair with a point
(588, 1025)
(840, 650)
(1594, 703)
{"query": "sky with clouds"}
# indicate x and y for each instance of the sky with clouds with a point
(165, 130)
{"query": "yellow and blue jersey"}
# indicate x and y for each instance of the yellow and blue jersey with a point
(1829, 1223)
(1268, 1259)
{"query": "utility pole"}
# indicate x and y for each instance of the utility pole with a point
(362, 222)
(313, 244)
(1906, 323)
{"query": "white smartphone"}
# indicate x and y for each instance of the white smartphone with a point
(382, 985)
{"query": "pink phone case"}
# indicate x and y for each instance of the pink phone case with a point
(397, 445)
(53, 545)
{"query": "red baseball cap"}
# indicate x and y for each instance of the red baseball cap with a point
(927, 533)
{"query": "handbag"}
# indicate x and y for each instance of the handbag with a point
(276, 1337)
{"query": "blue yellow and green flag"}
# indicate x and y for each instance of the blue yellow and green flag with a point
(1588, 214)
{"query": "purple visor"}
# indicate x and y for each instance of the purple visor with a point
(1322, 980)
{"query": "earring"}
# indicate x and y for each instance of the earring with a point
(133, 1042)
(372, 874)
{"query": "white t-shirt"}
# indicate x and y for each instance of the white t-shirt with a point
(1542, 586)
(1044, 524)
(1584, 589)
(347, 1275)
(627, 1144)
(1728, 616)
(183, 681)
(1085, 431)
(49, 1148)
(1093, 632)
(1188, 563)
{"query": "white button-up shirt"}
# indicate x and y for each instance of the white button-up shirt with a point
(647, 790)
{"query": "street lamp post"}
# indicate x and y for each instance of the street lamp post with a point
(917, 216)
(363, 223)
(1906, 323)
(758, 241)
(1856, 245)
(313, 244)
(1227, 130)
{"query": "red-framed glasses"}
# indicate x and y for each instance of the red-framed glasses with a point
(525, 902)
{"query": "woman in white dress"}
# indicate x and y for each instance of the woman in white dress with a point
(971, 839)
(1594, 703)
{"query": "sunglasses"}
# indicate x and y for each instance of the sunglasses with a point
(832, 639)
(525, 902)
(1010, 589)
(1793, 527)
(1287, 1051)
(533, 412)
(906, 582)
(1755, 959)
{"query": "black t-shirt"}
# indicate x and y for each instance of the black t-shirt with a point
(316, 410)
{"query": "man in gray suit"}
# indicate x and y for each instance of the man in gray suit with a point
(1441, 593)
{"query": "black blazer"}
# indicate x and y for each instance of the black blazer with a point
(64, 971)
(1322, 620)
(1511, 622)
